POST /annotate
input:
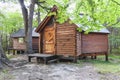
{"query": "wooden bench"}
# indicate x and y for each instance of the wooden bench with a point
(45, 57)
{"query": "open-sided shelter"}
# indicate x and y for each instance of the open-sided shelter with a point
(64, 39)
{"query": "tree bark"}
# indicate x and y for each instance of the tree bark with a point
(38, 13)
(25, 18)
(28, 19)
(3, 57)
(39, 20)
(25, 15)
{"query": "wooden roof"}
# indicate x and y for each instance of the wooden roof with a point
(45, 20)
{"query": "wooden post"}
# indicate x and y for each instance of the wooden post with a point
(92, 57)
(37, 59)
(39, 43)
(13, 52)
(75, 59)
(106, 56)
(45, 60)
(95, 57)
(75, 55)
(55, 31)
(29, 59)
(106, 53)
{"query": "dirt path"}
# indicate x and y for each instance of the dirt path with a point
(55, 71)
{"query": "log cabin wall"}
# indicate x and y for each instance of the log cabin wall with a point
(41, 40)
(35, 44)
(78, 44)
(65, 39)
(21, 46)
(17, 44)
(94, 43)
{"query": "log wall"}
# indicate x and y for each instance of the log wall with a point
(94, 43)
(21, 46)
(65, 39)
(78, 44)
(17, 45)
(35, 43)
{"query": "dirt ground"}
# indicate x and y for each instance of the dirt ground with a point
(23, 70)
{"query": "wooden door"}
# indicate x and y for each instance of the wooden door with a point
(49, 40)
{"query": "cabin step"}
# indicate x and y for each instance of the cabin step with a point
(45, 57)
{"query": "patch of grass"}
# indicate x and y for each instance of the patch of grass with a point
(102, 66)
(116, 51)
(106, 67)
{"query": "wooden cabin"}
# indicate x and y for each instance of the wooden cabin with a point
(64, 39)
(18, 40)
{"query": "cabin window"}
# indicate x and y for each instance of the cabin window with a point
(21, 40)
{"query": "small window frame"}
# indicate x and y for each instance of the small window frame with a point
(21, 40)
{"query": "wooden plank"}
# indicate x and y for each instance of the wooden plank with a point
(49, 40)
(45, 57)
(55, 42)
(40, 55)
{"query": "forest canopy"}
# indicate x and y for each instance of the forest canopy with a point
(96, 14)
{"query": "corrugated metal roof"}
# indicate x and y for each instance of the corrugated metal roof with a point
(21, 33)
(102, 30)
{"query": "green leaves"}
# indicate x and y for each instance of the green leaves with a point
(79, 29)
(100, 12)
(11, 21)
(51, 13)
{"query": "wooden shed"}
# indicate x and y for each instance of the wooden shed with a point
(64, 39)
(18, 40)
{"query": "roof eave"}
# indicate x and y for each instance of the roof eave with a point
(46, 19)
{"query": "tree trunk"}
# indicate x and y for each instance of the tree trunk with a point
(28, 24)
(25, 18)
(30, 20)
(39, 20)
(3, 58)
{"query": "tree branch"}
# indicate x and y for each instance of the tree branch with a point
(41, 2)
(116, 2)
(44, 7)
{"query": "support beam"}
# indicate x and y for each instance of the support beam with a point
(106, 56)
